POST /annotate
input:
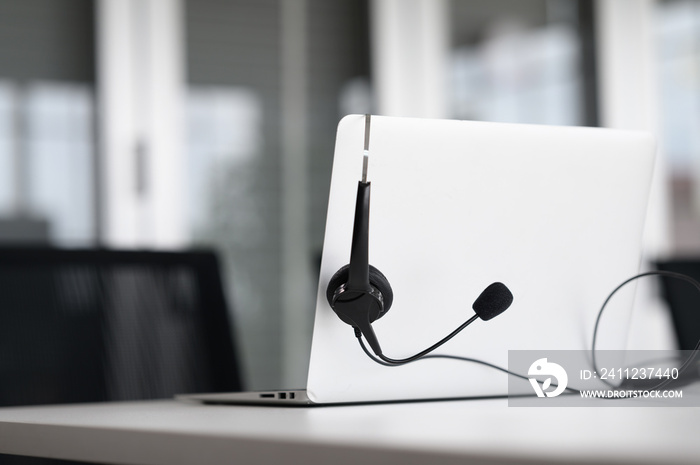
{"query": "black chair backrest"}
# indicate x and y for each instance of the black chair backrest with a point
(106, 325)
(683, 300)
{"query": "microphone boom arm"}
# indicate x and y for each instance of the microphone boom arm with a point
(422, 353)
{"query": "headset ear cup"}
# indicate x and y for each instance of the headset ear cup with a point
(376, 279)
(338, 279)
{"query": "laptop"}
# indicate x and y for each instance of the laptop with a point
(555, 213)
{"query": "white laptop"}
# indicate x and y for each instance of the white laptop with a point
(555, 213)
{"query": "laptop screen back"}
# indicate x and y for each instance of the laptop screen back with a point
(555, 213)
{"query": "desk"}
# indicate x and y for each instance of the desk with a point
(474, 431)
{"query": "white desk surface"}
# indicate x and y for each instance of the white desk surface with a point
(473, 431)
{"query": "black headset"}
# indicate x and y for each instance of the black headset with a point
(360, 294)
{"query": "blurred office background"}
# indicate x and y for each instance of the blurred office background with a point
(173, 124)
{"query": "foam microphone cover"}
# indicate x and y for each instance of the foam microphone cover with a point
(493, 301)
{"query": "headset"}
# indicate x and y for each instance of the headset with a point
(360, 294)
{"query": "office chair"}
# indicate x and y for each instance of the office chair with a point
(105, 325)
(682, 299)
